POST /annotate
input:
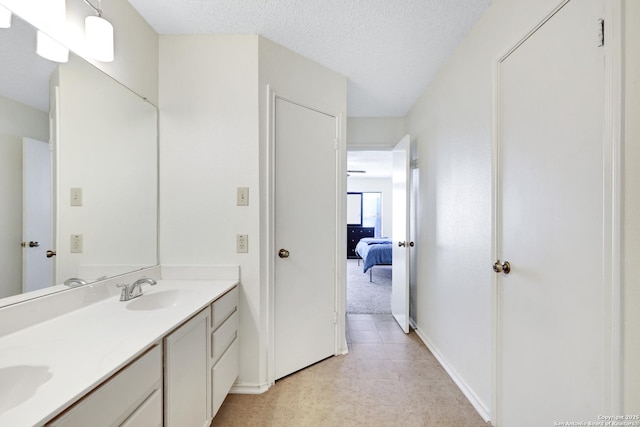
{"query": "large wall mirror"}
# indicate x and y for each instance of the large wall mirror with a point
(78, 172)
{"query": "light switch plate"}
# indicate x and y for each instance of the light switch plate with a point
(76, 197)
(243, 196)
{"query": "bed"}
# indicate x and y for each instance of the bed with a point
(374, 251)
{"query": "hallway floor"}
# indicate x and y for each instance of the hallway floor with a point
(387, 379)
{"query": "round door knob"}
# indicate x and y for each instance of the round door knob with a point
(402, 244)
(51, 254)
(283, 253)
(503, 267)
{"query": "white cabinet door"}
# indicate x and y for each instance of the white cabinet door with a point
(186, 380)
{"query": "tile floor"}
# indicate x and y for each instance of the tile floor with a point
(387, 379)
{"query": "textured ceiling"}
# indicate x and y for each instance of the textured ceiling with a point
(388, 49)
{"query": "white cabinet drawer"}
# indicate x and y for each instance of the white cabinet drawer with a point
(223, 375)
(149, 414)
(223, 307)
(222, 337)
(119, 397)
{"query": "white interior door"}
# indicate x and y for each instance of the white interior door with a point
(551, 309)
(36, 224)
(400, 232)
(305, 237)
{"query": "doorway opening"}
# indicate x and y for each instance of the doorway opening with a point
(369, 204)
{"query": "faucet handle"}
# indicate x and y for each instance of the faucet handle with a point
(124, 295)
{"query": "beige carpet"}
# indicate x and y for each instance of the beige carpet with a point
(364, 296)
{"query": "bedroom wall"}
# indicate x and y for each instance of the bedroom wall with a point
(383, 185)
(451, 124)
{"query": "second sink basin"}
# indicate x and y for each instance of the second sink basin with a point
(158, 300)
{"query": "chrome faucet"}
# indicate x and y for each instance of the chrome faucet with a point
(74, 281)
(134, 290)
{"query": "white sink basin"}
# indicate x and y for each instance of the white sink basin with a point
(19, 383)
(159, 300)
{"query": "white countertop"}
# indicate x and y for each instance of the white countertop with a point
(48, 366)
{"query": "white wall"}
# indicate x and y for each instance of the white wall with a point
(109, 150)
(16, 121)
(304, 81)
(451, 125)
(213, 139)
(631, 274)
(208, 148)
(374, 132)
(383, 185)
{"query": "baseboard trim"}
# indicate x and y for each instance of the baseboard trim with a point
(470, 395)
(249, 388)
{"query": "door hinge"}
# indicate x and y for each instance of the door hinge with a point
(335, 317)
(600, 32)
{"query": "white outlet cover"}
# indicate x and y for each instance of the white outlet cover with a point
(76, 243)
(243, 196)
(242, 243)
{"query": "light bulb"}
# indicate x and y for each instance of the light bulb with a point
(5, 17)
(98, 34)
(50, 49)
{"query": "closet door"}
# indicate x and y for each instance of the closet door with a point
(550, 225)
(305, 237)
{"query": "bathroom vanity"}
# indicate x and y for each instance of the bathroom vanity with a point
(168, 357)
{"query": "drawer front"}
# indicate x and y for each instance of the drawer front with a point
(149, 414)
(223, 307)
(115, 400)
(224, 336)
(223, 375)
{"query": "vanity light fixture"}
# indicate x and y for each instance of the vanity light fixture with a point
(50, 49)
(5, 17)
(53, 12)
(98, 34)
